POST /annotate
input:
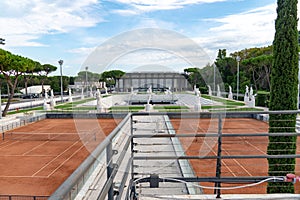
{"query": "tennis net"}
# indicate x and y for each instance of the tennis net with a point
(30, 136)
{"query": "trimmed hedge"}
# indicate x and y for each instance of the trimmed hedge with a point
(284, 93)
(263, 99)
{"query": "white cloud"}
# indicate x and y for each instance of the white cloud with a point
(36, 17)
(253, 28)
(82, 50)
(139, 6)
(126, 12)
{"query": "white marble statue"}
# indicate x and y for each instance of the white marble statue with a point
(52, 100)
(82, 95)
(197, 107)
(198, 93)
(230, 95)
(251, 102)
(251, 92)
(106, 93)
(131, 90)
(91, 92)
(218, 91)
(70, 95)
(98, 98)
(149, 91)
(209, 90)
(246, 97)
(46, 106)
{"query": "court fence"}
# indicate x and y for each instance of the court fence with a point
(123, 179)
(21, 197)
(21, 121)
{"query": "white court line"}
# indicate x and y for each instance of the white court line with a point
(211, 149)
(14, 155)
(23, 177)
(9, 144)
(255, 147)
(35, 148)
(223, 162)
(65, 161)
(55, 158)
(239, 164)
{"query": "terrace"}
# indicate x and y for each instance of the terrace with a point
(181, 156)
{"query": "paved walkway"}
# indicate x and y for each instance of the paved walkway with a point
(144, 147)
(156, 147)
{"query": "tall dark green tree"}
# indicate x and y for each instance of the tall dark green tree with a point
(284, 81)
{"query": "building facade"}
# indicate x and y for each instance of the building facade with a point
(159, 81)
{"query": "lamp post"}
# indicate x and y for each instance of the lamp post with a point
(238, 59)
(214, 79)
(60, 62)
(1, 42)
(298, 98)
(86, 80)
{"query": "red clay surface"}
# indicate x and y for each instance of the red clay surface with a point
(231, 146)
(40, 167)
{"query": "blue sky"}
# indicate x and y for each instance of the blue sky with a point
(50, 30)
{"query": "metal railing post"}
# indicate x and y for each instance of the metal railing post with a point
(109, 169)
(219, 159)
(132, 152)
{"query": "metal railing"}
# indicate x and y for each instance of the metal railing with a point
(125, 175)
(13, 123)
(70, 188)
(22, 197)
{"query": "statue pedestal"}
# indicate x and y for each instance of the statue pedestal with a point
(46, 106)
(197, 108)
(251, 103)
(148, 107)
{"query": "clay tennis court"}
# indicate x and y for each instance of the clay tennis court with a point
(230, 146)
(37, 158)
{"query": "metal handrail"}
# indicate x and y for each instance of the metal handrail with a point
(67, 186)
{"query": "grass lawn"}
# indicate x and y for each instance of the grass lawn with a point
(217, 106)
(224, 101)
(126, 108)
(71, 105)
(171, 108)
(238, 109)
(25, 110)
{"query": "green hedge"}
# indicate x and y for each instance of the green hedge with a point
(263, 99)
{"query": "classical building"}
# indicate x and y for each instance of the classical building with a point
(159, 81)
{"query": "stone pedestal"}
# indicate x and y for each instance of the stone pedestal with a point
(197, 108)
(148, 107)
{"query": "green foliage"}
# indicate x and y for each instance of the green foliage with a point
(126, 108)
(54, 83)
(111, 77)
(258, 70)
(90, 76)
(262, 98)
(195, 77)
(171, 107)
(284, 83)
(224, 101)
(238, 110)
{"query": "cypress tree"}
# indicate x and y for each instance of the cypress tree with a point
(284, 92)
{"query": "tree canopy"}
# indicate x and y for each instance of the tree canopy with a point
(12, 67)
